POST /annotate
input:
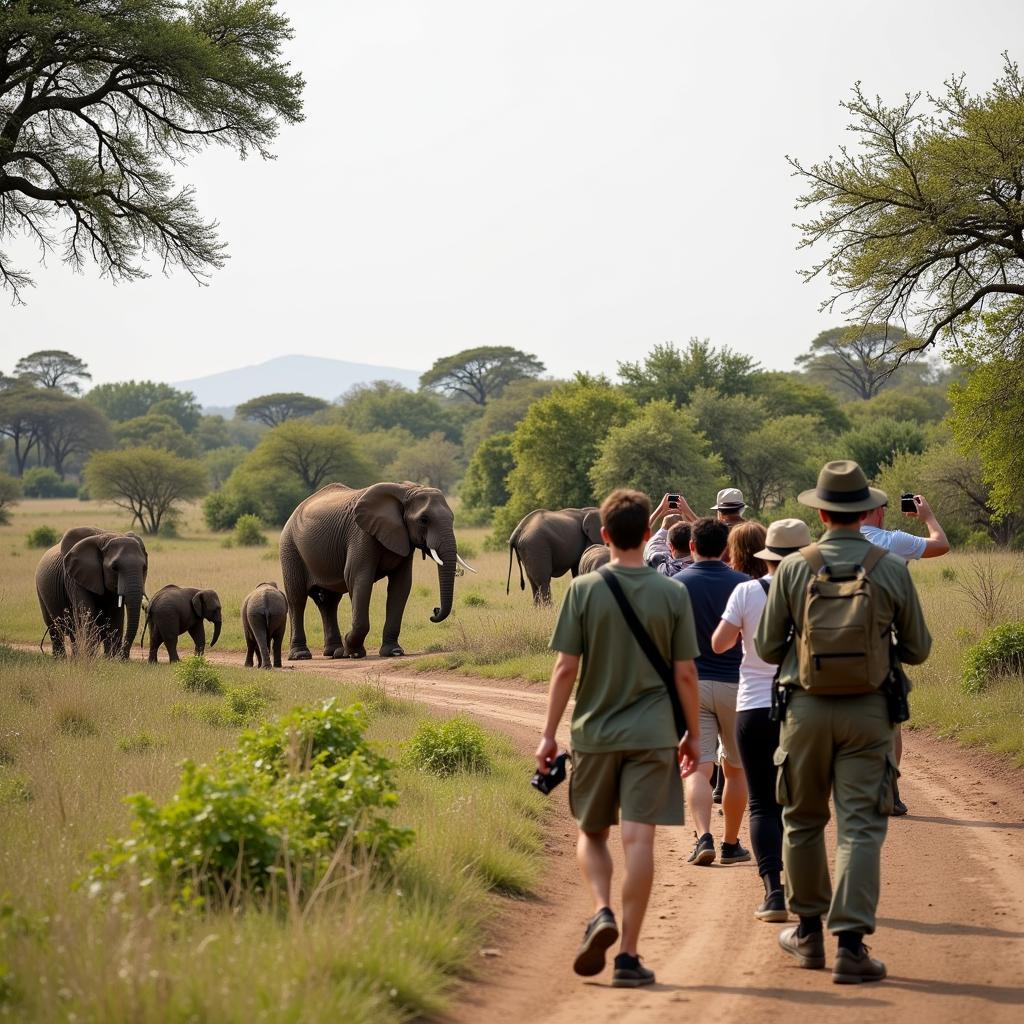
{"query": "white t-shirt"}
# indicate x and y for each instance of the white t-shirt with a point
(743, 609)
(899, 542)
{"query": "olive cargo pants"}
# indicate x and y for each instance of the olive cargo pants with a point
(842, 745)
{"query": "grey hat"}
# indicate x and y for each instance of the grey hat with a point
(843, 487)
(730, 499)
(784, 537)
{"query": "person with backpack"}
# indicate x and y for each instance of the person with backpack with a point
(635, 724)
(757, 732)
(840, 617)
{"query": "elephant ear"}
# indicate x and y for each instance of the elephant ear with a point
(142, 544)
(379, 510)
(75, 534)
(197, 603)
(592, 526)
(84, 564)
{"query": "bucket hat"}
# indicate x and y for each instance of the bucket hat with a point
(784, 537)
(843, 487)
(730, 499)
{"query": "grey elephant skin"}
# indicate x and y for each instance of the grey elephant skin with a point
(594, 557)
(548, 544)
(341, 540)
(175, 610)
(264, 618)
(90, 588)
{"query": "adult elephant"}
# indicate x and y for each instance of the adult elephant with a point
(342, 540)
(549, 544)
(593, 558)
(90, 588)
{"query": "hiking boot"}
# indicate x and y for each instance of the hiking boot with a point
(773, 908)
(630, 973)
(734, 853)
(853, 968)
(601, 932)
(809, 950)
(899, 808)
(704, 851)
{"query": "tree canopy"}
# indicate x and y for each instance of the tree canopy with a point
(857, 361)
(53, 368)
(274, 409)
(482, 373)
(99, 98)
(156, 430)
(129, 399)
(384, 405)
(315, 454)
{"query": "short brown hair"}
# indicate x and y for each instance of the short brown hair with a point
(626, 516)
(709, 537)
(745, 539)
(679, 537)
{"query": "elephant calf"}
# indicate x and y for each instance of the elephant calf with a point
(176, 610)
(594, 557)
(548, 544)
(264, 618)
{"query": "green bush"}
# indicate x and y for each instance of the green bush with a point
(14, 789)
(42, 537)
(43, 482)
(267, 817)
(198, 675)
(10, 492)
(999, 652)
(140, 743)
(249, 531)
(448, 748)
(474, 601)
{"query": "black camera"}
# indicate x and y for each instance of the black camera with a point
(907, 503)
(556, 774)
(673, 501)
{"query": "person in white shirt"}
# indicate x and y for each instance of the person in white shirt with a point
(757, 735)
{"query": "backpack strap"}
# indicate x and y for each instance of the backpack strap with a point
(765, 584)
(872, 558)
(813, 557)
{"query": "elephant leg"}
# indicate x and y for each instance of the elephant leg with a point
(250, 649)
(328, 602)
(154, 645)
(198, 635)
(360, 591)
(171, 643)
(56, 636)
(399, 587)
(296, 588)
(278, 639)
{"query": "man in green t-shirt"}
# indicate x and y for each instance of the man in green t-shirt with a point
(625, 752)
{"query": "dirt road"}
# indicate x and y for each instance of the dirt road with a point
(951, 925)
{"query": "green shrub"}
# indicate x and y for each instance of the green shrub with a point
(948, 574)
(75, 722)
(467, 550)
(14, 789)
(374, 697)
(43, 482)
(140, 743)
(474, 601)
(42, 537)
(448, 748)
(10, 492)
(249, 531)
(999, 652)
(198, 675)
(291, 803)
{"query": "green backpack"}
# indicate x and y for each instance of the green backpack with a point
(841, 652)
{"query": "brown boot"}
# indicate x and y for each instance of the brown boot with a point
(853, 968)
(809, 950)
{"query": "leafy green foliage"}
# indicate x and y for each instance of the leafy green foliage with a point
(14, 789)
(42, 537)
(273, 410)
(482, 373)
(10, 492)
(220, 463)
(784, 394)
(197, 675)
(454, 747)
(671, 374)
(313, 454)
(431, 460)
(248, 532)
(856, 361)
(270, 493)
(53, 368)
(999, 652)
(384, 405)
(138, 743)
(156, 430)
(500, 415)
(130, 399)
(43, 482)
(485, 484)
(874, 443)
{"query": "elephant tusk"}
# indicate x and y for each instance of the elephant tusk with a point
(434, 555)
(120, 600)
(464, 563)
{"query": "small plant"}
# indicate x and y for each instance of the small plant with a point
(999, 652)
(448, 748)
(248, 532)
(474, 601)
(374, 697)
(42, 537)
(198, 676)
(948, 574)
(985, 587)
(140, 743)
(14, 789)
(467, 550)
(75, 722)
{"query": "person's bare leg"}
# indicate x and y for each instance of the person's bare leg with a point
(595, 862)
(698, 798)
(638, 851)
(734, 799)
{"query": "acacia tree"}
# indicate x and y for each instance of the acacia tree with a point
(858, 359)
(315, 454)
(67, 427)
(671, 373)
(274, 409)
(482, 373)
(55, 369)
(99, 97)
(20, 405)
(923, 219)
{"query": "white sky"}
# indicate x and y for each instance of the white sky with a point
(579, 178)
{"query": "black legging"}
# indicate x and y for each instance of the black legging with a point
(758, 736)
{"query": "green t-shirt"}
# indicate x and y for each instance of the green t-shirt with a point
(621, 701)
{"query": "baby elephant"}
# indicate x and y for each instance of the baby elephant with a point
(264, 617)
(176, 610)
(594, 557)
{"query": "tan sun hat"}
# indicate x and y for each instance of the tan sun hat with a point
(730, 499)
(784, 537)
(843, 487)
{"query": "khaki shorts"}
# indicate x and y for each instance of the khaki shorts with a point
(644, 783)
(718, 721)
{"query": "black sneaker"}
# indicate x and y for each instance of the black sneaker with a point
(703, 851)
(630, 973)
(601, 932)
(899, 808)
(773, 908)
(734, 853)
(718, 784)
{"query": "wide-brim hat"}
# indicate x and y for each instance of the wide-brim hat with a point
(729, 500)
(784, 537)
(843, 487)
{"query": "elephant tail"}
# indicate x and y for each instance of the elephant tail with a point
(519, 562)
(145, 626)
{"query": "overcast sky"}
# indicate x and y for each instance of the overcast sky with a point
(579, 178)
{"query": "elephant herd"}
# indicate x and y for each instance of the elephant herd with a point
(340, 540)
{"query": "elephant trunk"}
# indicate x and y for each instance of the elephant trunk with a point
(216, 631)
(132, 594)
(445, 579)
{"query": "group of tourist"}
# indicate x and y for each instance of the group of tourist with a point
(783, 656)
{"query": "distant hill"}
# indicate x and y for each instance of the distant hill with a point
(312, 375)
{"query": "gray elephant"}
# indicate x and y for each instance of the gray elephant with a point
(90, 588)
(342, 540)
(593, 558)
(175, 610)
(264, 617)
(549, 544)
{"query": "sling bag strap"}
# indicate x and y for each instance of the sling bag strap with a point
(765, 584)
(648, 646)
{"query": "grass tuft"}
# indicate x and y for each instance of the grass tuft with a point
(455, 747)
(75, 721)
(139, 743)
(197, 675)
